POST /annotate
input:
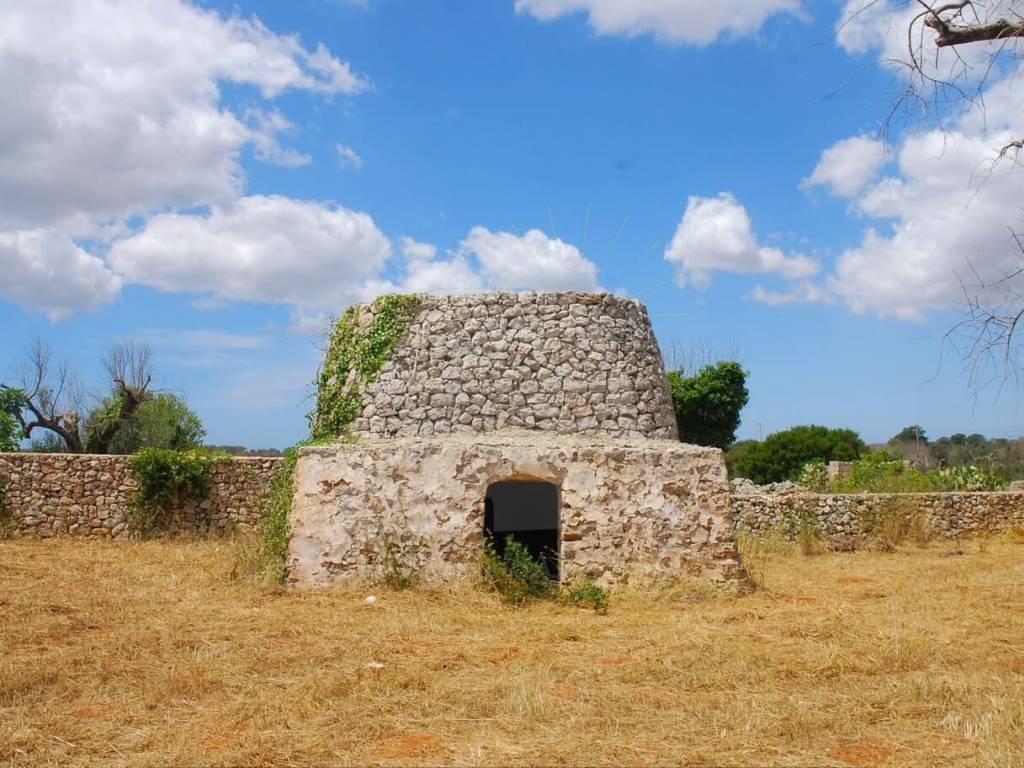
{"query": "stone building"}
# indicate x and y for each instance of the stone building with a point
(546, 416)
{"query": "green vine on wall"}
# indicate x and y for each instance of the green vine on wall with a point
(355, 355)
(275, 528)
(165, 479)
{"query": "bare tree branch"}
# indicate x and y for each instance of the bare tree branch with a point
(51, 394)
(129, 367)
(948, 35)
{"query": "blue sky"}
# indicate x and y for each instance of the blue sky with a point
(218, 178)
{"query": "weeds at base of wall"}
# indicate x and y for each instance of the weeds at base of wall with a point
(897, 521)
(808, 537)
(398, 562)
(518, 578)
(586, 594)
(514, 574)
(165, 479)
(6, 518)
(261, 556)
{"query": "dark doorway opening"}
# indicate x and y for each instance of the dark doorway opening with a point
(528, 511)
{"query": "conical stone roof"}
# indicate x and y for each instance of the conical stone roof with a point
(573, 363)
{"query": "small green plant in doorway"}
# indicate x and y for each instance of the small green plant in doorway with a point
(514, 573)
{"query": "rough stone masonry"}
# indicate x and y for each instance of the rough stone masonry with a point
(564, 388)
(67, 494)
(566, 362)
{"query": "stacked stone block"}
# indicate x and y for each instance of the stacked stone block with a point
(584, 363)
(840, 516)
(54, 494)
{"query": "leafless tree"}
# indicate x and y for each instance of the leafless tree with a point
(51, 394)
(129, 367)
(987, 338)
(941, 71)
(953, 49)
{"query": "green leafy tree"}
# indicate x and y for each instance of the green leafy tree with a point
(11, 403)
(708, 404)
(912, 434)
(782, 455)
(165, 421)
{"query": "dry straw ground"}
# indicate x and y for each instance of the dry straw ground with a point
(148, 654)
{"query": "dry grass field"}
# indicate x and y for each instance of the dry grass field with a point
(148, 654)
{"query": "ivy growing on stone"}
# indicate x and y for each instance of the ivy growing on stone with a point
(355, 356)
(275, 529)
(165, 479)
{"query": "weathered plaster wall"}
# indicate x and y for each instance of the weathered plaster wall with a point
(639, 507)
(50, 494)
(564, 362)
(948, 514)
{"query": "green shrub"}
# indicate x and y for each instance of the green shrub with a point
(970, 479)
(166, 478)
(814, 477)
(587, 594)
(708, 404)
(165, 421)
(782, 455)
(885, 472)
(11, 403)
(514, 573)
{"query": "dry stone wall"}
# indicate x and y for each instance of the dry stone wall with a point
(80, 495)
(564, 362)
(839, 516)
(644, 508)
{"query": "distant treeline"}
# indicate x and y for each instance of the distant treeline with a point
(783, 455)
(241, 450)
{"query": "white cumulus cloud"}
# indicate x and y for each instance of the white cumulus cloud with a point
(113, 110)
(848, 165)
(939, 223)
(262, 248)
(939, 227)
(532, 261)
(43, 269)
(497, 261)
(715, 235)
(684, 21)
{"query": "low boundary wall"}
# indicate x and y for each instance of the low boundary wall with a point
(51, 494)
(949, 515)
